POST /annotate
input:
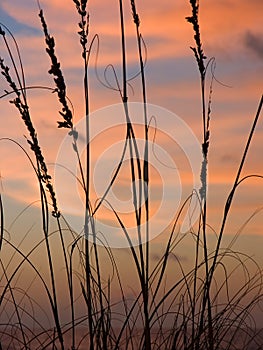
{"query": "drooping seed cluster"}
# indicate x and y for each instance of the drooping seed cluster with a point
(83, 24)
(135, 15)
(198, 50)
(81, 6)
(23, 109)
(58, 77)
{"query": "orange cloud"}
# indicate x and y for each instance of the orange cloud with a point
(172, 77)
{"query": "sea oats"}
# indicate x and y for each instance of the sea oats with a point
(33, 141)
(55, 70)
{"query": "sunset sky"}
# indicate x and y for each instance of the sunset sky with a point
(232, 37)
(231, 33)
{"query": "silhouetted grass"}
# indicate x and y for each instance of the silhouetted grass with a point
(186, 309)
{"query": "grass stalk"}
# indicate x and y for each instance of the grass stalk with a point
(200, 59)
(145, 162)
(189, 303)
(144, 259)
(2, 225)
(234, 188)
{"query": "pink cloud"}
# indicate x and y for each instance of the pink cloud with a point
(169, 36)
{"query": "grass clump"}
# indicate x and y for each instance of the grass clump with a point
(186, 308)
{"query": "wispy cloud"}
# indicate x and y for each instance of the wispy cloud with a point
(172, 79)
(254, 42)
